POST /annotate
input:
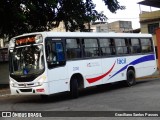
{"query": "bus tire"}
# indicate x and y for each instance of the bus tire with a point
(74, 88)
(130, 78)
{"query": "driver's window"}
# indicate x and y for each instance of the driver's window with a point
(49, 52)
(55, 54)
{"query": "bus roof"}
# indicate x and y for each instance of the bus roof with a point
(85, 34)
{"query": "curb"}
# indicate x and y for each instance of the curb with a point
(4, 92)
(149, 77)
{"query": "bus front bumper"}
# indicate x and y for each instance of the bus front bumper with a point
(37, 90)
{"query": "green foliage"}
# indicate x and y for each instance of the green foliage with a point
(113, 5)
(23, 16)
(75, 13)
(72, 13)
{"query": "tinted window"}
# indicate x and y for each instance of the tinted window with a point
(73, 48)
(146, 45)
(90, 48)
(121, 46)
(105, 46)
(135, 45)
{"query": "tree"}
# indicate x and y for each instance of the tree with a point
(75, 13)
(113, 5)
(92, 14)
(72, 13)
(23, 16)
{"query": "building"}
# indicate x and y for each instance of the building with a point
(100, 27)
(117, 26)
(60, 28)
(120, 26)
(150, 20)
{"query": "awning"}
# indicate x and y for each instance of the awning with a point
(151, 3)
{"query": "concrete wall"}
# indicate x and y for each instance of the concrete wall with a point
(147, 18)
(4, 73)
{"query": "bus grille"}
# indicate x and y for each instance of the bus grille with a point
(26, 90)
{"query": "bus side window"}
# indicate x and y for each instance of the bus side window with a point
(104, 46)
(112, 47)
(135, 45)
(91, 47)
(146, 45)
(73, 48)
(128, 46)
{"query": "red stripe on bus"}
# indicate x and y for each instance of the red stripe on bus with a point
(92, 80)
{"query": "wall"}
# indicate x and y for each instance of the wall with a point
(147, 18)
(4, 73)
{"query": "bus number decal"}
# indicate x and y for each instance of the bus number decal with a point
(75, 68)
(121, 61)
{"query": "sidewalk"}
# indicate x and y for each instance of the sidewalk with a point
(4, 91)
(155, 75)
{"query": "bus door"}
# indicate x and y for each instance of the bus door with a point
(57, 71)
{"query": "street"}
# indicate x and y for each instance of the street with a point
(144, 96)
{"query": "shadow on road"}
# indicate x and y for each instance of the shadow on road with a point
(82, 93)
(2, 86)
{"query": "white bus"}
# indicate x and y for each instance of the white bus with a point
(45, 63)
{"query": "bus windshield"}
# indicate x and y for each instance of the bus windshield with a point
(27, 60)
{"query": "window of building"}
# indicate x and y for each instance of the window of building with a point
(73, 48)
(91, 48)
(146, 45)
(152, 28)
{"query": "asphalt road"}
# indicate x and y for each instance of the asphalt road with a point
(144, 96)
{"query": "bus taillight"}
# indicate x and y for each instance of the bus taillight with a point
(40, 90)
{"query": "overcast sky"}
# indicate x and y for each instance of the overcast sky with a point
(131, 13)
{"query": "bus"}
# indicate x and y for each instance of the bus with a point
(45, 63)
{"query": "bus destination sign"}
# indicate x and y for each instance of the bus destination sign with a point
(25, 40)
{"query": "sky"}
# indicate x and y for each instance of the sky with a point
(131, 13)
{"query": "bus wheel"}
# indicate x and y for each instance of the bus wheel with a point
(74, 88)
(130, 78)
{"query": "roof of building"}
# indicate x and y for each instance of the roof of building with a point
(151, 3)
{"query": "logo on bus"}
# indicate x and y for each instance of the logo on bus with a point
(75, 68)
(121, 61)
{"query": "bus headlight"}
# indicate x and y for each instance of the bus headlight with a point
(13, 84)
(38, 38)
(41, 80)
